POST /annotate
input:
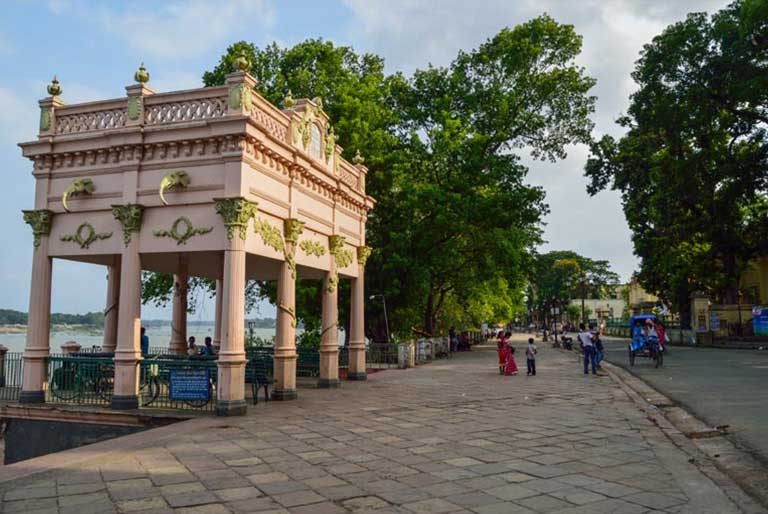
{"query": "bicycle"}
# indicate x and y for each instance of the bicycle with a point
(73, 379)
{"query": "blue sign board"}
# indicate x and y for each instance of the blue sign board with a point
(760, 321)
(190, 384)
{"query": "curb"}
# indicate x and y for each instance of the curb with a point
(742, 477)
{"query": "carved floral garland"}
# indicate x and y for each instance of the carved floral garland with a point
(181, 238)
(312, 248)
(269, 234)
(85, 235)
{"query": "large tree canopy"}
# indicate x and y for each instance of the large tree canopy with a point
(693, 166)
(561, 275)
(455, 224)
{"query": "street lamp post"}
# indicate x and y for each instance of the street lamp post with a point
(386, 319)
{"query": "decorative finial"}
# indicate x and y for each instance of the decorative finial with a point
(288, 101)
(358, 159)
(142, 75)
(242, 63)
(54, 88)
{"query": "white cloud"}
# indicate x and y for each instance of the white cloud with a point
(185, 28)
(412, 33)
(59, 6)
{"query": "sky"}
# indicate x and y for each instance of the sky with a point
(95, 47)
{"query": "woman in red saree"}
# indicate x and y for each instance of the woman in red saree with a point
(510, 366)
(500, 349)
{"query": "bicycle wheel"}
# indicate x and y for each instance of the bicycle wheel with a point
(64, 384)
(104, 385)
(153, 390)
(199, 404)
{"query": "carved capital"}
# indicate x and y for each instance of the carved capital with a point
(363, 252)
(236, 212)
(292, 228)
(129, 216)
(342, 257)
(40, 221)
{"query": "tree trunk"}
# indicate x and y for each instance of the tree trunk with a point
(684, 308)
(429, 316)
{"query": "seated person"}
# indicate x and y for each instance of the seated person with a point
(208, 350)
(192, 349)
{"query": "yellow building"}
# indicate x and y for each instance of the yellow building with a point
(639, 300)
(754, 283)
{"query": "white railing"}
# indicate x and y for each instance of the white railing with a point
(76, 123)
(186, 110)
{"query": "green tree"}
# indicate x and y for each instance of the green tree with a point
(443, 150)
(559, 276)
(692, 166)
(459, 211)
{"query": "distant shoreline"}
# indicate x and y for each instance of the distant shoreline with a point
(22, 329)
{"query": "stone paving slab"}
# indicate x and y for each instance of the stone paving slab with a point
(450, 437)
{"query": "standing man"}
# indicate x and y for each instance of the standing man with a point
(144, 342)
(585, 339)
(599, 348)
(454, 340)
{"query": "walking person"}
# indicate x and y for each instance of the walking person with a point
(501, 350)
(510, 366)
(454, 339)
(588, 346)
(530, 354)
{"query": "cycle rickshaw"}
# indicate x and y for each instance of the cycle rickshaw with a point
(647, 340)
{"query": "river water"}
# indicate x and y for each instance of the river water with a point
(159, 336)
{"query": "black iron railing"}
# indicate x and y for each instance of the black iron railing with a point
(80, 380)
(11, 373)
(177, 384)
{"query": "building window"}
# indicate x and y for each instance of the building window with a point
(314, 147)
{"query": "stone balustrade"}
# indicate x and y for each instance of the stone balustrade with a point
(92, 116)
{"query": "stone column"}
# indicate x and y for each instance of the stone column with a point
(219, 302)
(38, 322)
(329, 339)
(236, 213)
(178, 342)
(113, 302)
(285, 338)
(128, 351)
(357, 364)
(217, 321)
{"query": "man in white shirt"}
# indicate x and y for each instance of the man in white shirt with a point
(585, 339)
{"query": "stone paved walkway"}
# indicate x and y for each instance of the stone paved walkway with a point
(450, 437)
